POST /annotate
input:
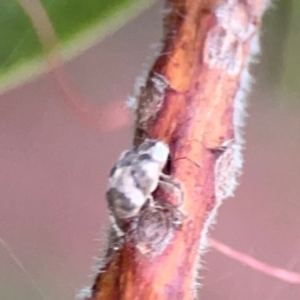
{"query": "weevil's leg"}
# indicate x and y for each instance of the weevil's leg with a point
(169, 179)
(117, 230)
(178, 216)
(153, 203)
(171, 186)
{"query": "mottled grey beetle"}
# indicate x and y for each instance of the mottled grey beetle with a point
(135, 176)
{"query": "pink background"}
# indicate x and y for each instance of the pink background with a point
(54, 171)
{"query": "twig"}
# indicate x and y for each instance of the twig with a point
(193, 100)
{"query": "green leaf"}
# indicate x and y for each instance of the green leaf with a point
(290, 72)
(79, 24)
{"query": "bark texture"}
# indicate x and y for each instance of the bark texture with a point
(192, 100)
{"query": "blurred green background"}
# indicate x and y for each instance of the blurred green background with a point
(78, 24)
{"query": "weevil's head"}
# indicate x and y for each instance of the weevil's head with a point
(155, 151)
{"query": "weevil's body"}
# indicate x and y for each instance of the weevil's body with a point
(134, 178)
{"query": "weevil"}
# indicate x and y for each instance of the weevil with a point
(135, 176)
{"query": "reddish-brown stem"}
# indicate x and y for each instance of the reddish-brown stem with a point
(188, 102)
